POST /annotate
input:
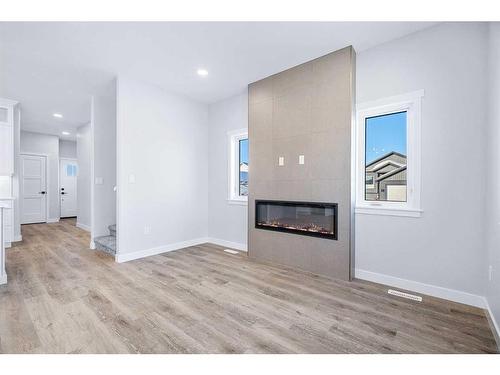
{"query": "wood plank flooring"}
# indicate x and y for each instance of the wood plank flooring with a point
(64, 298)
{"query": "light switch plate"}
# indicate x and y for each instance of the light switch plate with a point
(301, 159)
(281, 161)
(131, 178)
(99, 180)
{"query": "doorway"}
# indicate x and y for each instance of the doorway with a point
(33, 188)
(68, 172)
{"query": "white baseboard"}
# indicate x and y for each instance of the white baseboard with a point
(83, 226)
(53, 220)
(232, 245)
(495, 328)
(415, 286)
(3, 279)
(120, 258)
(18, 238)
(92, 245)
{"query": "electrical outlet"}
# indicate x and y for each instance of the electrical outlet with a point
(281, 161)
(147, 229)
(490, 272)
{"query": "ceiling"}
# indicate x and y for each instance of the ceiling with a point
(54, 67)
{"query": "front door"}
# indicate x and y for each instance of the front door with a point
(33, 189)
(68, 173)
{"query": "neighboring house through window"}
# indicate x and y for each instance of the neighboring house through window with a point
(238, 166)
(388, 156)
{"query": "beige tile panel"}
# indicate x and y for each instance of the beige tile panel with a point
(292, 112)
(260, 115)
(260, 90)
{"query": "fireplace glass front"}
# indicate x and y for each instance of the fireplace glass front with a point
(305, 218)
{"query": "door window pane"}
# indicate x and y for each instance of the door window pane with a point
(385, 157)
(71, 170)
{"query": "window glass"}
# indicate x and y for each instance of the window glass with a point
(70, 170)
(385, 157)
(243, 167)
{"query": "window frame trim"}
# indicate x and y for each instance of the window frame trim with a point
(234, 137)
(412, 104)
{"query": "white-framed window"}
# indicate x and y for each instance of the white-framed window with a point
(388, 156)
(238, 166)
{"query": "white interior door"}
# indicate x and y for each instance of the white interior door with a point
(67, 175)
(33, 189)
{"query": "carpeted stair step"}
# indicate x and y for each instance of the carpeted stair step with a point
(106, 244)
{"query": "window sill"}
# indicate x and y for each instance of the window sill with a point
(238, 202)
(388, 211)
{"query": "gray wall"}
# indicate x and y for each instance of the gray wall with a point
(493, 170)
(48, 145)
(104, 159)
(67, 149)
(306, 110)
(444, 247)
(162, 142)
(83, 151)
(227, 222)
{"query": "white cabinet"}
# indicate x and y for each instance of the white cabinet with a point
(7, 137)
(5, 206)
(8, 224)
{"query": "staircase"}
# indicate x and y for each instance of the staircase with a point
(107, 243)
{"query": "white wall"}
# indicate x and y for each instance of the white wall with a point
(226, 222)
(493, 176)
(162, 142)
(48, 145)
(83, 152)
(104, 160)
(67, 149)
(445, 247)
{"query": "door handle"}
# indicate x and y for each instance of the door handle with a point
(42, 192)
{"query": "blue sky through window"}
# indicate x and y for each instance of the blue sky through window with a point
(244, 151)
(384, 134)
(243, 180)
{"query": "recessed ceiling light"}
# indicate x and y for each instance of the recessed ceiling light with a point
(58, 115)
(202, 72)
(66, 133)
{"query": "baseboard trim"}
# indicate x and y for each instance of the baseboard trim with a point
(415, 286)
(121, 258)
(495, 328)
(18, 238)
(230, 244)
(83, 226)
(53, 220)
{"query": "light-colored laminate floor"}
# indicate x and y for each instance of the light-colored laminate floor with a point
(64, 298)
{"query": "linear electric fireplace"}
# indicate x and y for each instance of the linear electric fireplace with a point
(306, 218)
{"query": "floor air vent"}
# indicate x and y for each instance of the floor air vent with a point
(230, 251)
(404, 295)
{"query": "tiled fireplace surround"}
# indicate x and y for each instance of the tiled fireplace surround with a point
(306, 110)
